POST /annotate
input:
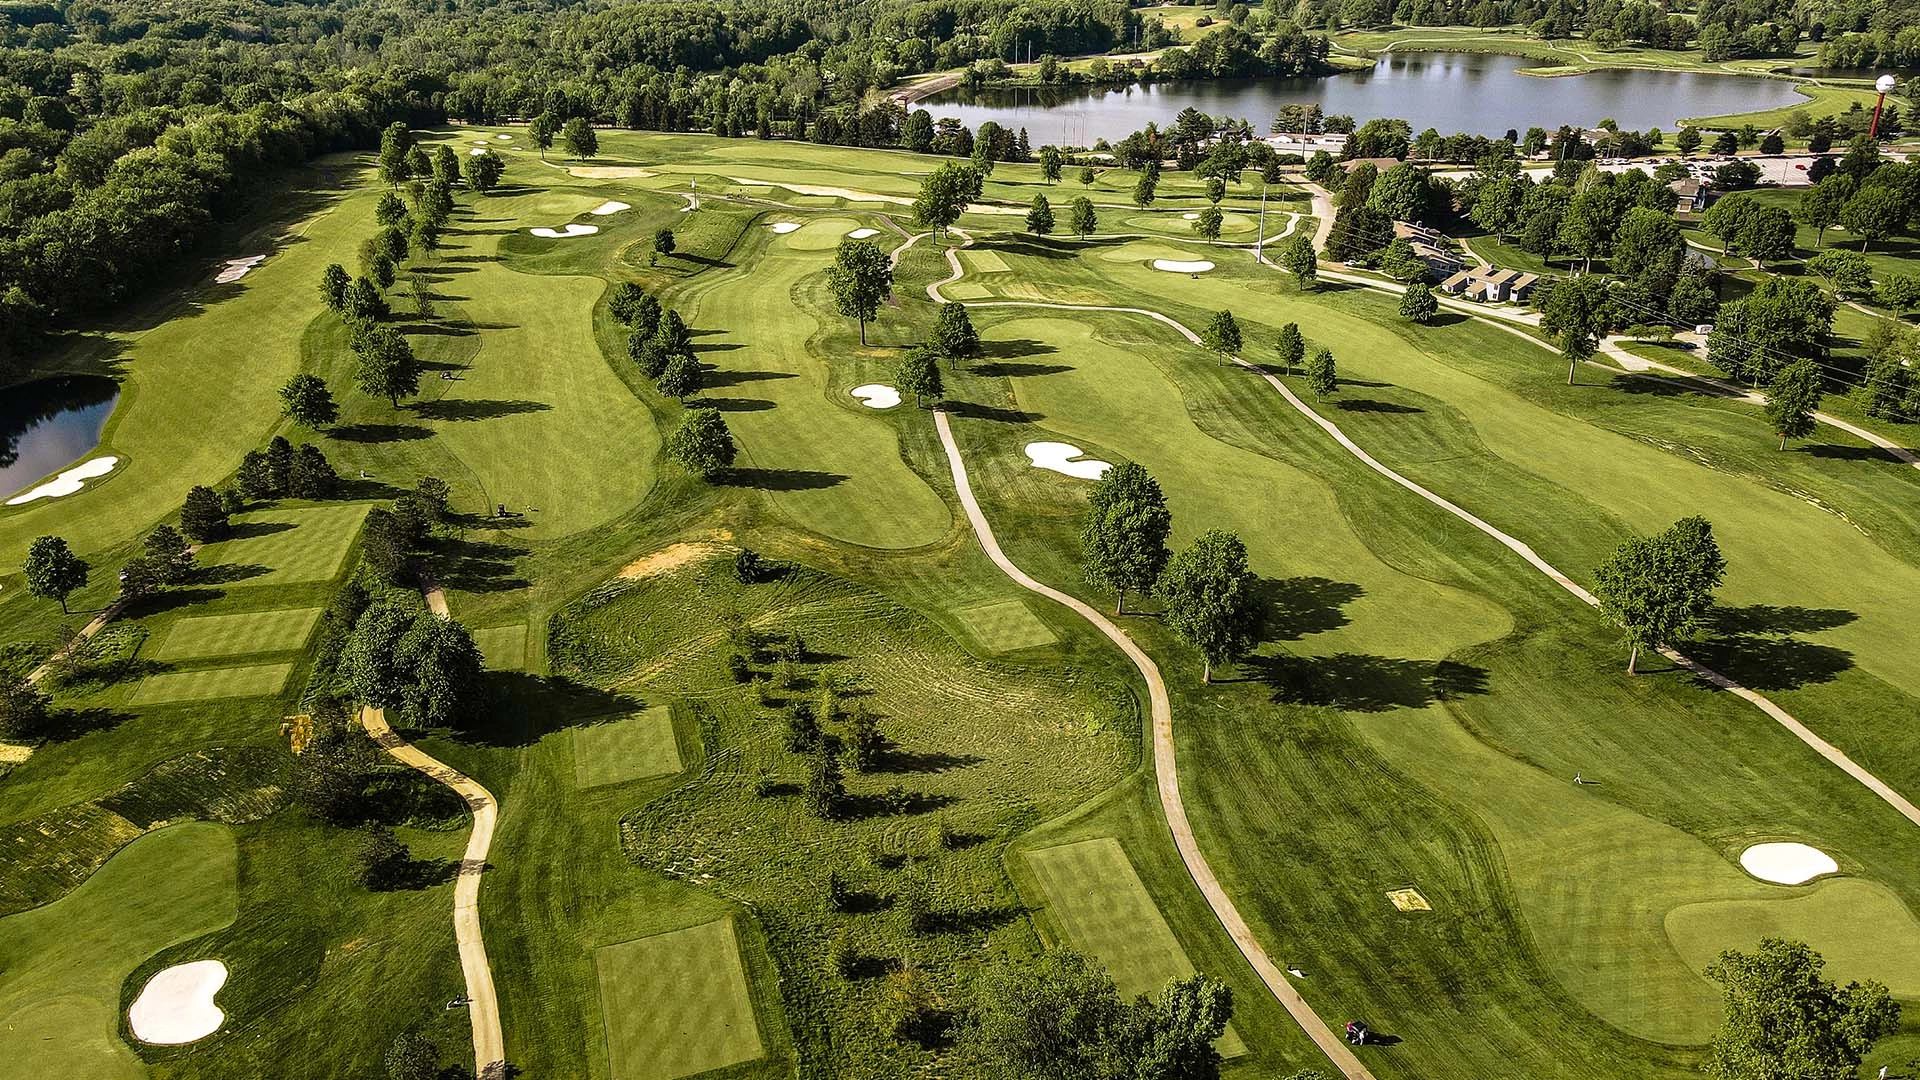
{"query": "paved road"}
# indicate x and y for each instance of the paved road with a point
(1166, 776)
(489, 1045)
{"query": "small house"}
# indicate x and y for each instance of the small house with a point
(1492, 285)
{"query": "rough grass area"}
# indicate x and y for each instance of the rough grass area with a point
(206, 637)
(257, 680)
(62, 966)
(1100, 906)
(1860, 927)
(44, 857)
(623, 748)
(676, 1004)
(281, 547)
(975, 752)
(503, 647)
(1005, 626)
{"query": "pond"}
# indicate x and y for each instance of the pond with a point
(1480, 93)
(49, 424)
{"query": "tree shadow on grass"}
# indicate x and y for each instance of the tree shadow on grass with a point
(66, 725)
(1848, 453)
(737, 404)
(1015, 348)
(476, 408)
(523, 707)
(1753, 645)
(1776, 619)
(247, 530)
(784, 479)
(894, 760)
(165, 600)
(380, 433)
(229, 573)
(712, 377)
(1298, 606)
(1354, 682)
(1001, 369)
(477, 566)
(1369, 405)
(972, 411)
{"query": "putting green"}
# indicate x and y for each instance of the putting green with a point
(676, 1004)
(980, 261)
(257, 680)
(1101, 907)
(1860, 927)
(205, 636)
(62, 965)
(831, 469)
(632, 747)
(292, 545)
(822, 234)
(1005, 626)
(504, 648)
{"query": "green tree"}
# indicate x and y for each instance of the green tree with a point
(1821, 204)
(1216, 189)
(1400, 193)
(1040, 216)
(389, 210)
(1766, 235)
(1323, 377)
(1123, 539)
(1297, 257)
(1874, 213)
(364, 303)
(919, 375)
(313, 476)
(944, 196)
(1417, 303)
(387, 365)
(1785, 1019)
(1050, 161)
(1757, 334)
(1847, 273)
(680, 379)
(1658, 589)
(541, 129)
(1727, 216)
(23, 708)
(204, 515)
(1577, 311)
(580, 139)
(443, 672)
(1087, 176)
(1207, 224)
(826, 785)
(702, 443)
(1081, 217)
(953, 334)
(483, 171)
(625, 302)
(1688, 140)
(53, 571)
(382, 863)
(1901, 292)
(371, 670)
(1222, 334)
(1792, 399)
(387, 541)
(412, 1057)
(334, 286)
(306, 400)
(663, 242)
(1209, 596)
(859, 279)
(1290, 346)
(395, 143)
(1145, 187)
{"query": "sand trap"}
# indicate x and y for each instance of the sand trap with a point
(237, 269)
(878, 396)
(1190, 217)
(671, 557)
(1058, 457)
(177, 1004)
(1175, 266)
(784, 227)
(605, 172)
(862, 234)
(504, 138)
(477, 151)
(611, 206)
(574, 229)
(1787, 864)
(67, 482)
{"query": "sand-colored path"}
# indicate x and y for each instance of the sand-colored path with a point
(1166, 775)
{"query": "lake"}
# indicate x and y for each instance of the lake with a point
(1480, 93)
(49, 424)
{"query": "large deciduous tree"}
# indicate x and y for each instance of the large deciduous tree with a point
(580, 139)
(204, 515)
(1297, 258)
(859, 279)
(1658, 589)
(1123, 539)
(1792, 398)
(307, 401)
(919, 374)
(1209, 597)
(953, 334)
(53, 571)
(702, 443)
(1222, 334)
(1040, 216)
(1577, 311)
(1786, 1021)
(944, 196)
(387, 365)
(1081, 216)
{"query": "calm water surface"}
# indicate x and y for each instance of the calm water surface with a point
(48, 425)
(1473, 92)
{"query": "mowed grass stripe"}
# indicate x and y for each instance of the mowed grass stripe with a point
(676, 1004)
(292, 545)
(204, 636)
(257, 680)
(1005, 626)
(632, 747)
(504, 648)
(1097, 900)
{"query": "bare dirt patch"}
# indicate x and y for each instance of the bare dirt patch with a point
(671, 557)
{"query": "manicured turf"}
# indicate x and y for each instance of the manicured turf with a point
(1005, 626)
(284, 547)
(504, 647)
(1861, 928)
(676, 1004)
(257, 680)
(624, 748)
(1097, 900)
(208, 636)
(62, 965)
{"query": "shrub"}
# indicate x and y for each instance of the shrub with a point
(382, 862)
(803, 727)
(738, 667)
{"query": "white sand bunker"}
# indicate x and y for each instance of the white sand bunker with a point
(237, 269)
(504, 138)
(575, 229)
(1190, 217)
(611, 206)
(862, 234)
(1175, 266)
(876, 395)
(477, 151)
(784, 227)
(1787, 864)
(1059, 456)
(177, 1005)
(67, 482)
